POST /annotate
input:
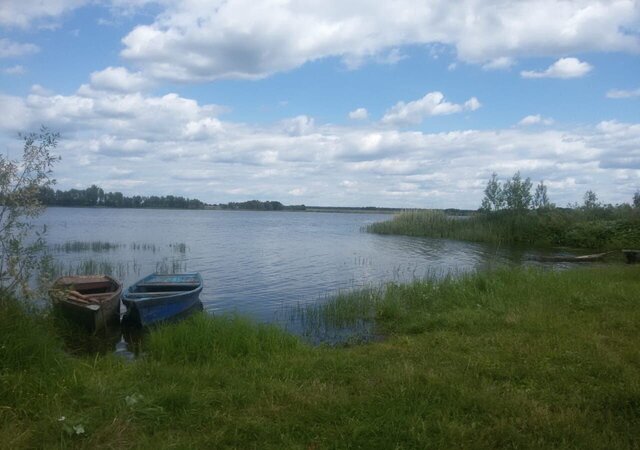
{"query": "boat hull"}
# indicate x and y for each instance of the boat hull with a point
(150, 307)
(95, 316)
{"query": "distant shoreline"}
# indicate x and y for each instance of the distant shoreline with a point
(310, 209)
(313, 209)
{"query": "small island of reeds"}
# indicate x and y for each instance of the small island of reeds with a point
(510, 215)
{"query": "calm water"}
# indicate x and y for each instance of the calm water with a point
(259, 263)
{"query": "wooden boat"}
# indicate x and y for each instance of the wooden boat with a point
(160, 297)
(92, 301)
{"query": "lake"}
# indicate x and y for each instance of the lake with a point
(256, 264)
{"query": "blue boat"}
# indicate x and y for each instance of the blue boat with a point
(160, 297)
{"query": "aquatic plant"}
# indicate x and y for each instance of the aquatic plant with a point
(143, 246)
(179, 247)
(85, 246)
(337, 317)
(548, 227)
(171, 265)
(119, 269)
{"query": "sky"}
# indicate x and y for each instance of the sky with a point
(403, 103)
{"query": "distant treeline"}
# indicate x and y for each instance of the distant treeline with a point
(257, 205)
(95, 196)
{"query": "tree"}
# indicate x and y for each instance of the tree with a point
(540, 198)
(92, 194)
(493, 199)
(636, 199)
(590, 200)
(517, 193)
(21, 183)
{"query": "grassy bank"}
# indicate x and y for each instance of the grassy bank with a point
(526, 359)
(600, 229)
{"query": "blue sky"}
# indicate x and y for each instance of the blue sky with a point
(406, 104)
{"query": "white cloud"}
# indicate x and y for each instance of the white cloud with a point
(298, 192)
(472, 104)
(125, 120)
(192, 40)
(10, 49)
(394, 56)
(536, 119)
(40, 90)
(23, 12)
(348, 184)
(359, 114)
(432, 104)
(195, 41)
(299, 125)
(500, 63)
(562, 68)
(620, 93)
(14, 70)
(15, 116)
(355, 61)
(119, 79)
(171, 144)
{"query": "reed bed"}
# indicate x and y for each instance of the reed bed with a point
(85, 246)
(179, 247)
(345, 317)
(103, 246)
(143, 246)
(171, 265)
(568, 228)
(119, 269)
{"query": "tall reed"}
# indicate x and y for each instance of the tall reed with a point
(570, 228)
(85, 246)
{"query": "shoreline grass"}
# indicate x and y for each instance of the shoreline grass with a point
(606, 230)
(517, 358)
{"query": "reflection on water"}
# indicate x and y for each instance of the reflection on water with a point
(256, 263)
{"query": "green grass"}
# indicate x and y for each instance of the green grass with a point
(600, 229)
(509, 359)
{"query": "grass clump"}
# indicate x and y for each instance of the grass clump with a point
(600, 229)
(515, 358)
(201, 340)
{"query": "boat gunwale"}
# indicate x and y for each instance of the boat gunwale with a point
(139, 297)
